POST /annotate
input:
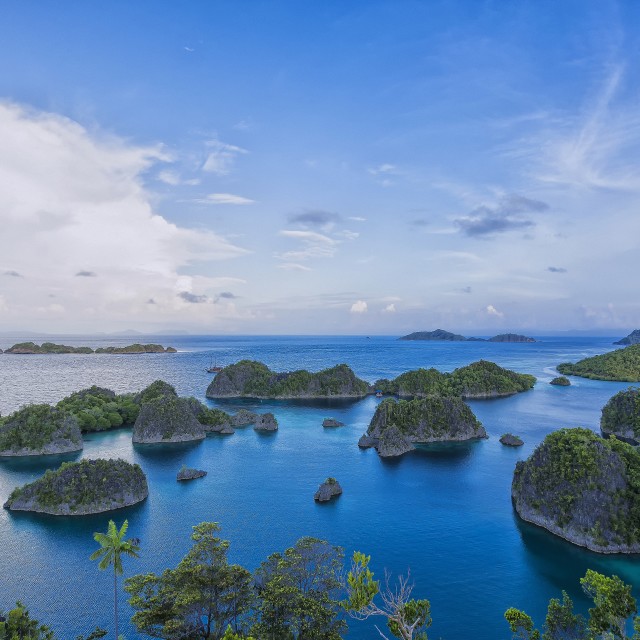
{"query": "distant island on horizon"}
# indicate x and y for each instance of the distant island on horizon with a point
(446, 336)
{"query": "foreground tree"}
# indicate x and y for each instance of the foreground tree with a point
(18, 624)
(297, 593)
(197, 600)
(608, 618)
(112, 547)
(407, 618)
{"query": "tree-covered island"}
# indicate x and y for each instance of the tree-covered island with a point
(82, 488)
(621, 365)
(621, 416)
(31, 348)
(397, 426)
(583, 488)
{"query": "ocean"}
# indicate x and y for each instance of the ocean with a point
(443, 512)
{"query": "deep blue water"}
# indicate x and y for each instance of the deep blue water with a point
(443, 512)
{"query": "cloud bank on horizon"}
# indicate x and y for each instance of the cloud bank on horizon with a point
(423, 171)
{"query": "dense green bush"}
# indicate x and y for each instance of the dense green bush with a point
(622, 412)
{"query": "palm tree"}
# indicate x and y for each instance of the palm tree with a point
(112, 547)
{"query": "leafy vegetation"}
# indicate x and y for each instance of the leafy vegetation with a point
(38, 426)
(98, 409)
(561, 381)
(88, 486)
(622, 365)
(51, 347)
(621, 415)
(137, 348)
(157, 389)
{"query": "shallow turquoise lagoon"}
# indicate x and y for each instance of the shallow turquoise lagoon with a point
(443, 512)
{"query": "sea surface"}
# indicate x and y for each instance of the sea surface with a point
(443, 513)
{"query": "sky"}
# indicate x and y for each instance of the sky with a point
(326, 167)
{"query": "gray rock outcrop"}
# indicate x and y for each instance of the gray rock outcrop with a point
(632, 338)
(187, 473)
(366, 442)
(167, 419)
(332, 422)
(510, 440)
(266, 422)
(328, 490)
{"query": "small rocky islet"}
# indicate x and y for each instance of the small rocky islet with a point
(328, 490)
(188, 473)
(509, 440)
(82, 488)
(621, 416)
(561, 381)
(583, 488)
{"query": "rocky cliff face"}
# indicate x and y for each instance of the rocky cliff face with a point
(39, 430)
(266, 422)
(82, 488)
(250, 379)
(582, 488)
(397, 425)
(328, 490)
(621, 416)
(167, 419)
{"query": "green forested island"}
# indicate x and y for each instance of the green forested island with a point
(561, 381)
(253, 379)
(39, 429)
(447, 336)
(398, 425)
(621, 365)
(632, 338)
(621, 416)
(30, 348)
(81, 488)
(482, 379)
(583, 488)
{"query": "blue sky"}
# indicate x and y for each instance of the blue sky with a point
(320, 167)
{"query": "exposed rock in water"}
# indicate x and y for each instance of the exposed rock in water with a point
(366, 442)
(167, 419)
(332, 422)
(398, 425)
(511, 441)
(582, 488)
(38, 430)
(244, 418)
(561, 381)
(329, 489)
(82, 488)
(266, 422)
(249, 379)
(621, 416)
(393, 442)
(511, 337)
(632, 338)
(187, 473)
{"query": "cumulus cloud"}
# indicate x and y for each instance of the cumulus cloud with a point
(390, 308)
(360, 306)
(512, 212)
(80, 199)
(86, 274)
(557, 269)
(224, 198)
(492, 311)
(221, 157)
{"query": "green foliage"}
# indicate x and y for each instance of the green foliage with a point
(157, 389)
(608, 618)
(46, 347)
(35, 426)
(297, 593)
(19, 625)
(561, 381)
(361, 586)
(136, 348)
(83, 485)
(97, 409)
(198, 599)
(96, 634)
(213, 417)
(622, 412)
(230, 634)
(622, 365)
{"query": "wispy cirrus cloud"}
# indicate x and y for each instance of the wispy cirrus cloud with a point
(224, 198)
(314, 245)
(221, 157)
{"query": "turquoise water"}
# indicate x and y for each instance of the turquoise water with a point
(443, 512)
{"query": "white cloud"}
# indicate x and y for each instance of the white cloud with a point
(79, 199)
(224, 198)
(314, 245)
(383, 169)
(357, 218)
(492, 311)
(359, 306)
(293, 266)
(221, 157)
(390, 308)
